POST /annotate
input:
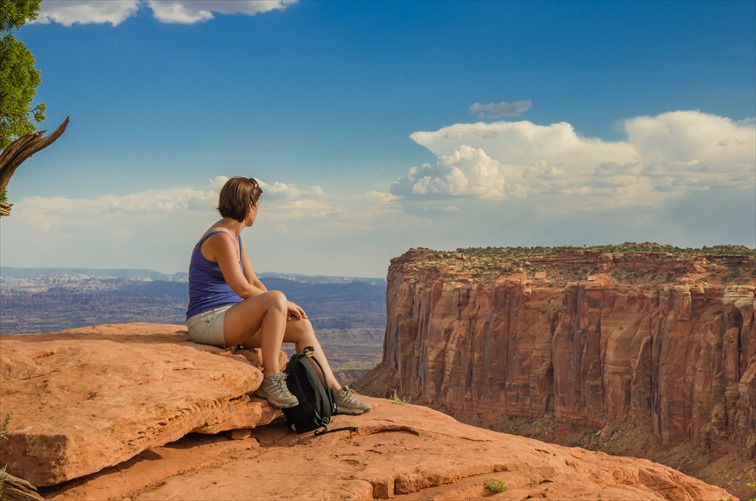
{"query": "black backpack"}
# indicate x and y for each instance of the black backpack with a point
(316, 401)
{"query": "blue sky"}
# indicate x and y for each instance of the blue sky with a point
(381, 126)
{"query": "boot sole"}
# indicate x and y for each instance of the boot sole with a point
(350, 412)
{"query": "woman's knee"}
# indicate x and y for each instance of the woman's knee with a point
(305, 326)
(275, 300)
(299, 330)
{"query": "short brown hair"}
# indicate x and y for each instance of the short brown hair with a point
(236, 195)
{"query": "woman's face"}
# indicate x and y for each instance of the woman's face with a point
(251, 213)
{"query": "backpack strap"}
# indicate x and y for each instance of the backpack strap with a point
(343, 428)
(310, 353)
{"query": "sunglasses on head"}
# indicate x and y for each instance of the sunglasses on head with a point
(256, 189)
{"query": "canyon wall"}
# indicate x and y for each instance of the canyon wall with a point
(666, 338)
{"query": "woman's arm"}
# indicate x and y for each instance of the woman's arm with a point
(242, 280)
(249, 273)
(224, 250)
(294, 310)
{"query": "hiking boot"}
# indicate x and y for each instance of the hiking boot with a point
(347, 404)
(274, 389)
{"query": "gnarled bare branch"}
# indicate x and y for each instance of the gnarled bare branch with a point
(21, 149)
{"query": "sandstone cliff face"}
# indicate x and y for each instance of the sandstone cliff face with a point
(668, 340)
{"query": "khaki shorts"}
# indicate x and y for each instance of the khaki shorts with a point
(207, 327)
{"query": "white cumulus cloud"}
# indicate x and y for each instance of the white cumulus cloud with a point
(92, 12)
(662, 157)
(193, 11)
(466, 171)
(694, 150)
(167, 11)
(526, 143)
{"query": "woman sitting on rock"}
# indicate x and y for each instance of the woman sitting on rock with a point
(229, 305)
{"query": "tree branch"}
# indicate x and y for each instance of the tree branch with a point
(21, 149)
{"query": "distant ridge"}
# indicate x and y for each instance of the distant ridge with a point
(145, 274)
(321, 279)
(51, 299)
(124, 273)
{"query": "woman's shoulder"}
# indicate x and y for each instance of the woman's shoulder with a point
(216, 233)
(217, 240)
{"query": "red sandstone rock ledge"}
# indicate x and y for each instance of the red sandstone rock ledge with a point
(84, 399)
(80, 400)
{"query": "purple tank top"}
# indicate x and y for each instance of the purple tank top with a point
(207, 287)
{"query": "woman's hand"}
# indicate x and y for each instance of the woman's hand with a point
(295, 312)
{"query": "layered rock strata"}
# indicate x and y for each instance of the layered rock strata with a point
(667, 339)
(80, 400)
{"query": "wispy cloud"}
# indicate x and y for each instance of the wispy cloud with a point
(288, 202)
(48, 213)
(115, 12)
(295, 226)
(664, 156)
(281, 201)
(502, 109)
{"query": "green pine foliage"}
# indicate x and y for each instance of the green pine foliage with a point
(18, 76)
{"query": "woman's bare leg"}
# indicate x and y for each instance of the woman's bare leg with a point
(262, 317)
(301, 333)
